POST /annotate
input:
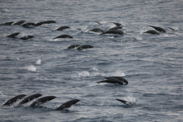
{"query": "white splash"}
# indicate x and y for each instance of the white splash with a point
(31, 68)
(94, 69)
(131, 99)
(5, 10)
(84, 74)
(138, 38)
(38, 62)
(1, 94)
(117, 73)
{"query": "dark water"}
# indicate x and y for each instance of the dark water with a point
(151, 63)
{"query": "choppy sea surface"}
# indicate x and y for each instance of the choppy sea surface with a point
(151, 63)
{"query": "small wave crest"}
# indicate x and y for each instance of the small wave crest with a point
(130, 99)
(38, 62)
(31, 68)
(95, 72)
(116, 73)
(83, 74)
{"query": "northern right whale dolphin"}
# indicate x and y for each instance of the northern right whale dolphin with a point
(63, 36)
(7, 23)
(158, 28)
(27, 37)
(97, 30)
(113, 32)
(73, 46)
(124, 102)
(14, 99)
(84, 47)
(29, 98)
(67, 104)
(29, 25)
(42, 100)
(19, 22)
(45, 22)
(152, 32)
(125, 82)
(62, 28)
(112, 80)
(115, 28)
(13, 34)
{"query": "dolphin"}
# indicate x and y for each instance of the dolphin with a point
(45, 22)
(124, 102)
(113, 32)
(158, 28)
(7, 23)
(27, 37)
(112, 80)
(97, 30)
(67, 104)
(19, 22)
(29, 98)
(119, 78)
(152, 32)
(115, 28)
(73, 46)
(13, 35)
(42, 100)
(29, 25)
(14, 99)
(63, 28)
(84, 47)
(63, 36)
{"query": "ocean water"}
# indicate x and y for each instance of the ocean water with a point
(151, 63)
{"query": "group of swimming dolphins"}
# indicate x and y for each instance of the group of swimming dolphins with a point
(68, 104)
(38, 101)
(113, 30)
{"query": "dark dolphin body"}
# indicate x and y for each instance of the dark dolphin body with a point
(115, 28)
(124, 102)
(13, 35)
(29, 25)
(14, 99)
(67, 104)
(7, 23)
(97, 30)
(63, 36)
(45, 22)
(40, 23)
(119, 78)
(114, 32)
(42, 100)
(172, 28)
(19, 22)
(73, 46)
(84, 47)
(158, 28)
(50, 21)
(29, 98)
(112, 80)
(63, 28)
(27, 37)
(152, 32)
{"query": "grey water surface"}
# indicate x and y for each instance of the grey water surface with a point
(151, 63)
